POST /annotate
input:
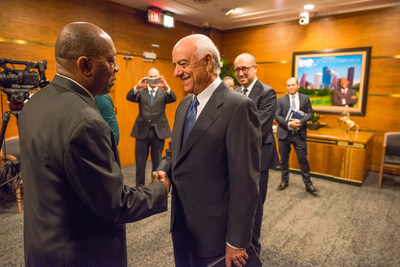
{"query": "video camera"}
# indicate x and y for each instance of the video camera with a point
(17, 83)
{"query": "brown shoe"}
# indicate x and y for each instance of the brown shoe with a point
(311, 189)
(283, 185)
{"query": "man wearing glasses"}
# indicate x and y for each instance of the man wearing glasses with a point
(265, 98)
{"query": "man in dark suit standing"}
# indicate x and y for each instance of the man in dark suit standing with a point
(214, 166)
(151, 127)
(344, 96)
(265, 98)
(75, 202)
(294, 132)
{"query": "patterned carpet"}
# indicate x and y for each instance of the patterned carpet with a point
(344, 225)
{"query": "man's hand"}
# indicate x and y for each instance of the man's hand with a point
(237, 255)
(162, 177)
(295, 123)
(141, 83)
(162, 83)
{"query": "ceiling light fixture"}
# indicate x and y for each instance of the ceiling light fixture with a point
(230, 11)
(309, 7)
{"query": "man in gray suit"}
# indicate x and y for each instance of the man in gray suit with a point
(151, 127)
(265, 98)
(75, 201)
(214, 166)
(294, 131)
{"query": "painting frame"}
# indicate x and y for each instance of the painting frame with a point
(324, 86)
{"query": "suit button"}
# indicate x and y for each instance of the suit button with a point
(177, 179)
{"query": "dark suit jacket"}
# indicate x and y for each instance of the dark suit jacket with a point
(337, 95)
(151, 115)
(215, 175)
(75, 201)
(265, 98)
(283, 109)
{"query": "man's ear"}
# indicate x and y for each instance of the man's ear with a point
(85, 66)
(209, 63)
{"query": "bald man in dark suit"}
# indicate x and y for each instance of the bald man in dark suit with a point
(294, 132)
(265, 98)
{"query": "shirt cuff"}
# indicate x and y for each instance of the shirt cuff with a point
(231, 246)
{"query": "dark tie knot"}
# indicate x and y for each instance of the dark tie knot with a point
(245, 91)
(195, 102)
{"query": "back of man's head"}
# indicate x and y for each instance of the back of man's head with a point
(78, 39)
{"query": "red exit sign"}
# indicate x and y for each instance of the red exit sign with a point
(154, 16)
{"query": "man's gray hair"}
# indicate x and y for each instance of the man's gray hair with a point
(206, 46)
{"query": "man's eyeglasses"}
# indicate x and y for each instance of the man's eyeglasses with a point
(243, 69)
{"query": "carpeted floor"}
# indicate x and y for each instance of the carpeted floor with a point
(344, 225)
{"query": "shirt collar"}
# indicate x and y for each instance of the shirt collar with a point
(250, 86)
(86, 90)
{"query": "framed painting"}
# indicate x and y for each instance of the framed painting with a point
(335, 79)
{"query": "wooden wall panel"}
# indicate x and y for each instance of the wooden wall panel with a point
(273, 46)
(131, 71)
(39, 22)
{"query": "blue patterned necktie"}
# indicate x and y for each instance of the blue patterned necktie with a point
(152, 96)
(190, 119)
(293, 103)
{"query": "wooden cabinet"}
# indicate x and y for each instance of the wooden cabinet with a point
(334, 154)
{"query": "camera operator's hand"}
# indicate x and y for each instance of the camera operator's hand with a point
(142, 83)
(162, 83)
(162, 177)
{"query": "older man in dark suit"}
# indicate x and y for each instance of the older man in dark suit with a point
(294, 131)
(213, 161)
(75, 201)
(151, 127)
(265, 98)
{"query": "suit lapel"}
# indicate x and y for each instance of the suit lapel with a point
(255, 91)
(179, 123)
(207, 117)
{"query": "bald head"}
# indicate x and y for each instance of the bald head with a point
(80, 39)
(153, 72)
(86, 54)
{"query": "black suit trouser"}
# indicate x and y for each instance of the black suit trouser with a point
(142, 152)
(300, 146)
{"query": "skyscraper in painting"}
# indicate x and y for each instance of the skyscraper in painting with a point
(350, 76)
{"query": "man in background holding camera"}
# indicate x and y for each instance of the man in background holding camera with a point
(151, 127)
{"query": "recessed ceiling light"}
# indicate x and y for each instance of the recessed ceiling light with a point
(309, 7)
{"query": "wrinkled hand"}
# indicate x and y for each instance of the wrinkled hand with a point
(295, 123)
(237, 255)
(141, 83)
(161, 177)
(162, 82)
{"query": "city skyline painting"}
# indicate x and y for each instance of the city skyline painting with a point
(319, 72)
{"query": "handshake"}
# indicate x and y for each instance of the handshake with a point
(161, 177)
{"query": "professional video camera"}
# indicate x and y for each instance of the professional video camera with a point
(17, 83)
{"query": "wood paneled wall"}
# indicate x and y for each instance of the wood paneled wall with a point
(39, 22)
(273, 45)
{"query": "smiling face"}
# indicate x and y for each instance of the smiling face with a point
(246, 69)
(344, 83)
(194, 72)
(292, 86)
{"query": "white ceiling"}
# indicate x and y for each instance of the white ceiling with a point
(211, 13)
